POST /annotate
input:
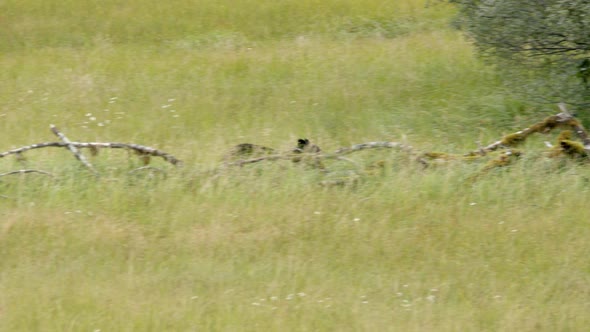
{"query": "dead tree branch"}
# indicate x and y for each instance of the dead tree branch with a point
(24, 171)
(257, 160)
(147, 168)
(96, 145)
(336, 155)
(373, 145)
(73, 149)
(563, 119)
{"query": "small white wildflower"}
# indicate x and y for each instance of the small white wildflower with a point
(171, 100)
(290, 297)
(175, 115)
(274, 298)
(194, 297)
(166, 106)
(514, 230)
(317, 212)
(255, 303)
(356, 219)
(301, 294)
(472, 203)
(92, 118)
(88, 114)
(100, 124)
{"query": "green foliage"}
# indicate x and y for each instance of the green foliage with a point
(541, 47)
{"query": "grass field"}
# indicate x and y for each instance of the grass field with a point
(264, 247)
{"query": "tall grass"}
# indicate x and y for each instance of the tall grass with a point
(265, 247)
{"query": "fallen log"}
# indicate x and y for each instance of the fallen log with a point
(73, 149)
(564, 119)
(146, 150)
(25, 171)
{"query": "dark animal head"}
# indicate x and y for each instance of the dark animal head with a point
(302, 143)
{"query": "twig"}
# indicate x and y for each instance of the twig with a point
(144, 168)
(24, 171)
(95, 145)
(373, 145)
(73, 149)
(357, 165)
(257, 160)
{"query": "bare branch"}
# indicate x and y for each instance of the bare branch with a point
(73, 149)
(94, 145)
(372, 145)
(24, 171)
(148, 168)
(336, 155)
(257, 160)
(563, 119)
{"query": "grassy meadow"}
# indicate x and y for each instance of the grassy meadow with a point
(265, 247)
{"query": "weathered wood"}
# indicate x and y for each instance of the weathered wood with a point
(576, 126)
(147, 168)
(257, 160)
(95, 145)
(560, 120)
(373, 145)
(73, 149)
(25, 171)
(336, 155)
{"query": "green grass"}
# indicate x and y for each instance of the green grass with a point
(265, 247)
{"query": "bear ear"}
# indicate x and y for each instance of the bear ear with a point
(302, 142)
